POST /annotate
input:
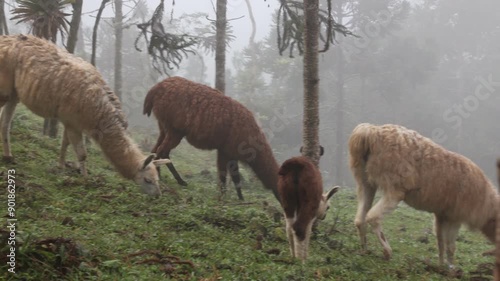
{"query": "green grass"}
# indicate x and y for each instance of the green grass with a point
(107, 219)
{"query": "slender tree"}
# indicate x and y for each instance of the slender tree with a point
(94, 32)
(220, 52)
(311, 81)
(3, 20)
(47, 18)
(301, 32)
(118, 47)
(74, 25)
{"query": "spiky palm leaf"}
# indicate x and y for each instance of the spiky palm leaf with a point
(46, 17)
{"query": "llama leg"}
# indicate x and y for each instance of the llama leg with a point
(450, 234)
(366, 194)
(439, 237)
(76, 139)
(222, 166)
(171, 140)
(384, 206)
(64, 149)
(5, 123)
(302, 243)
(235, 176)
(158, 143)
(290, 235)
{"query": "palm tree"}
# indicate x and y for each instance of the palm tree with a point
(46, 18)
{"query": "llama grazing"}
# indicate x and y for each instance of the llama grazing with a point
(209, 120)
(411, 168)
(301, 191)
(55, 84)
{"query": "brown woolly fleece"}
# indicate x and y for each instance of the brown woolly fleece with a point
(210, 120)
(55, 84)
(301, 190)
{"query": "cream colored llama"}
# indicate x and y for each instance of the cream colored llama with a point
(411, 168)
(55, 84)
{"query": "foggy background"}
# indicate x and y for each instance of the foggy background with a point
(432, 66)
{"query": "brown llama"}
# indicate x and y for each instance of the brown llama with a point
(411, 168)
(210, 120)
(300, 189)
(55, 84)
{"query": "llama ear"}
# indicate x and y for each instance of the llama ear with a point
(148, 160)
(160, 162)
(332, 191)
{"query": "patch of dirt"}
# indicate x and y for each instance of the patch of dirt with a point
(443, 270)
(171, 265)
(483, 271)
(60, 255)
(224, 222)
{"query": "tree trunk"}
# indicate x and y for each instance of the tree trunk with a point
(4, 30)
(50, 125)
(118, 47)
(252, 21)
(220, 49)
(94, 33)
(311, 81)
(74, 25)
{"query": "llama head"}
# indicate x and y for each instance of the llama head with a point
(324, 205)
(147, 176)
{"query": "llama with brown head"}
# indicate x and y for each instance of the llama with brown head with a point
(300, 188)
(55, 84)
(210, 120)
(411, 168)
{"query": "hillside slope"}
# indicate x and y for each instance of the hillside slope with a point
(102, 228)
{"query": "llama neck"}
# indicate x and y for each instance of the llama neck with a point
(266, 168)
(121, 151)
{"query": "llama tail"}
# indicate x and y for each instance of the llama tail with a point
(149, 100)
(292, 167)
(291, 171)
(359, 144)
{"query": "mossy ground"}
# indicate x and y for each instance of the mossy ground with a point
(74, 228)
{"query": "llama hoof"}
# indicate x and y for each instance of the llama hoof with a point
(182, 182)
(8, 159)
(387, 255)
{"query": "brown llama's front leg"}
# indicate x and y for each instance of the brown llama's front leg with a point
(5, 124)
(222, 164)
(235, 176)
(171, 141)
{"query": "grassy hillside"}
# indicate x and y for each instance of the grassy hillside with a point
(102, 228)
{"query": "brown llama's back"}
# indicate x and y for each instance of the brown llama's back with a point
(204, 115)
(210, 120)
(300, 188)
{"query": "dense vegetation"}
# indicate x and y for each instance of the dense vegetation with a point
(102, 228)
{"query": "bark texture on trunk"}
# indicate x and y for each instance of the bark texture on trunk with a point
(311, 82)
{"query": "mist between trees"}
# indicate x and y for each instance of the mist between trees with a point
(431, 66)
